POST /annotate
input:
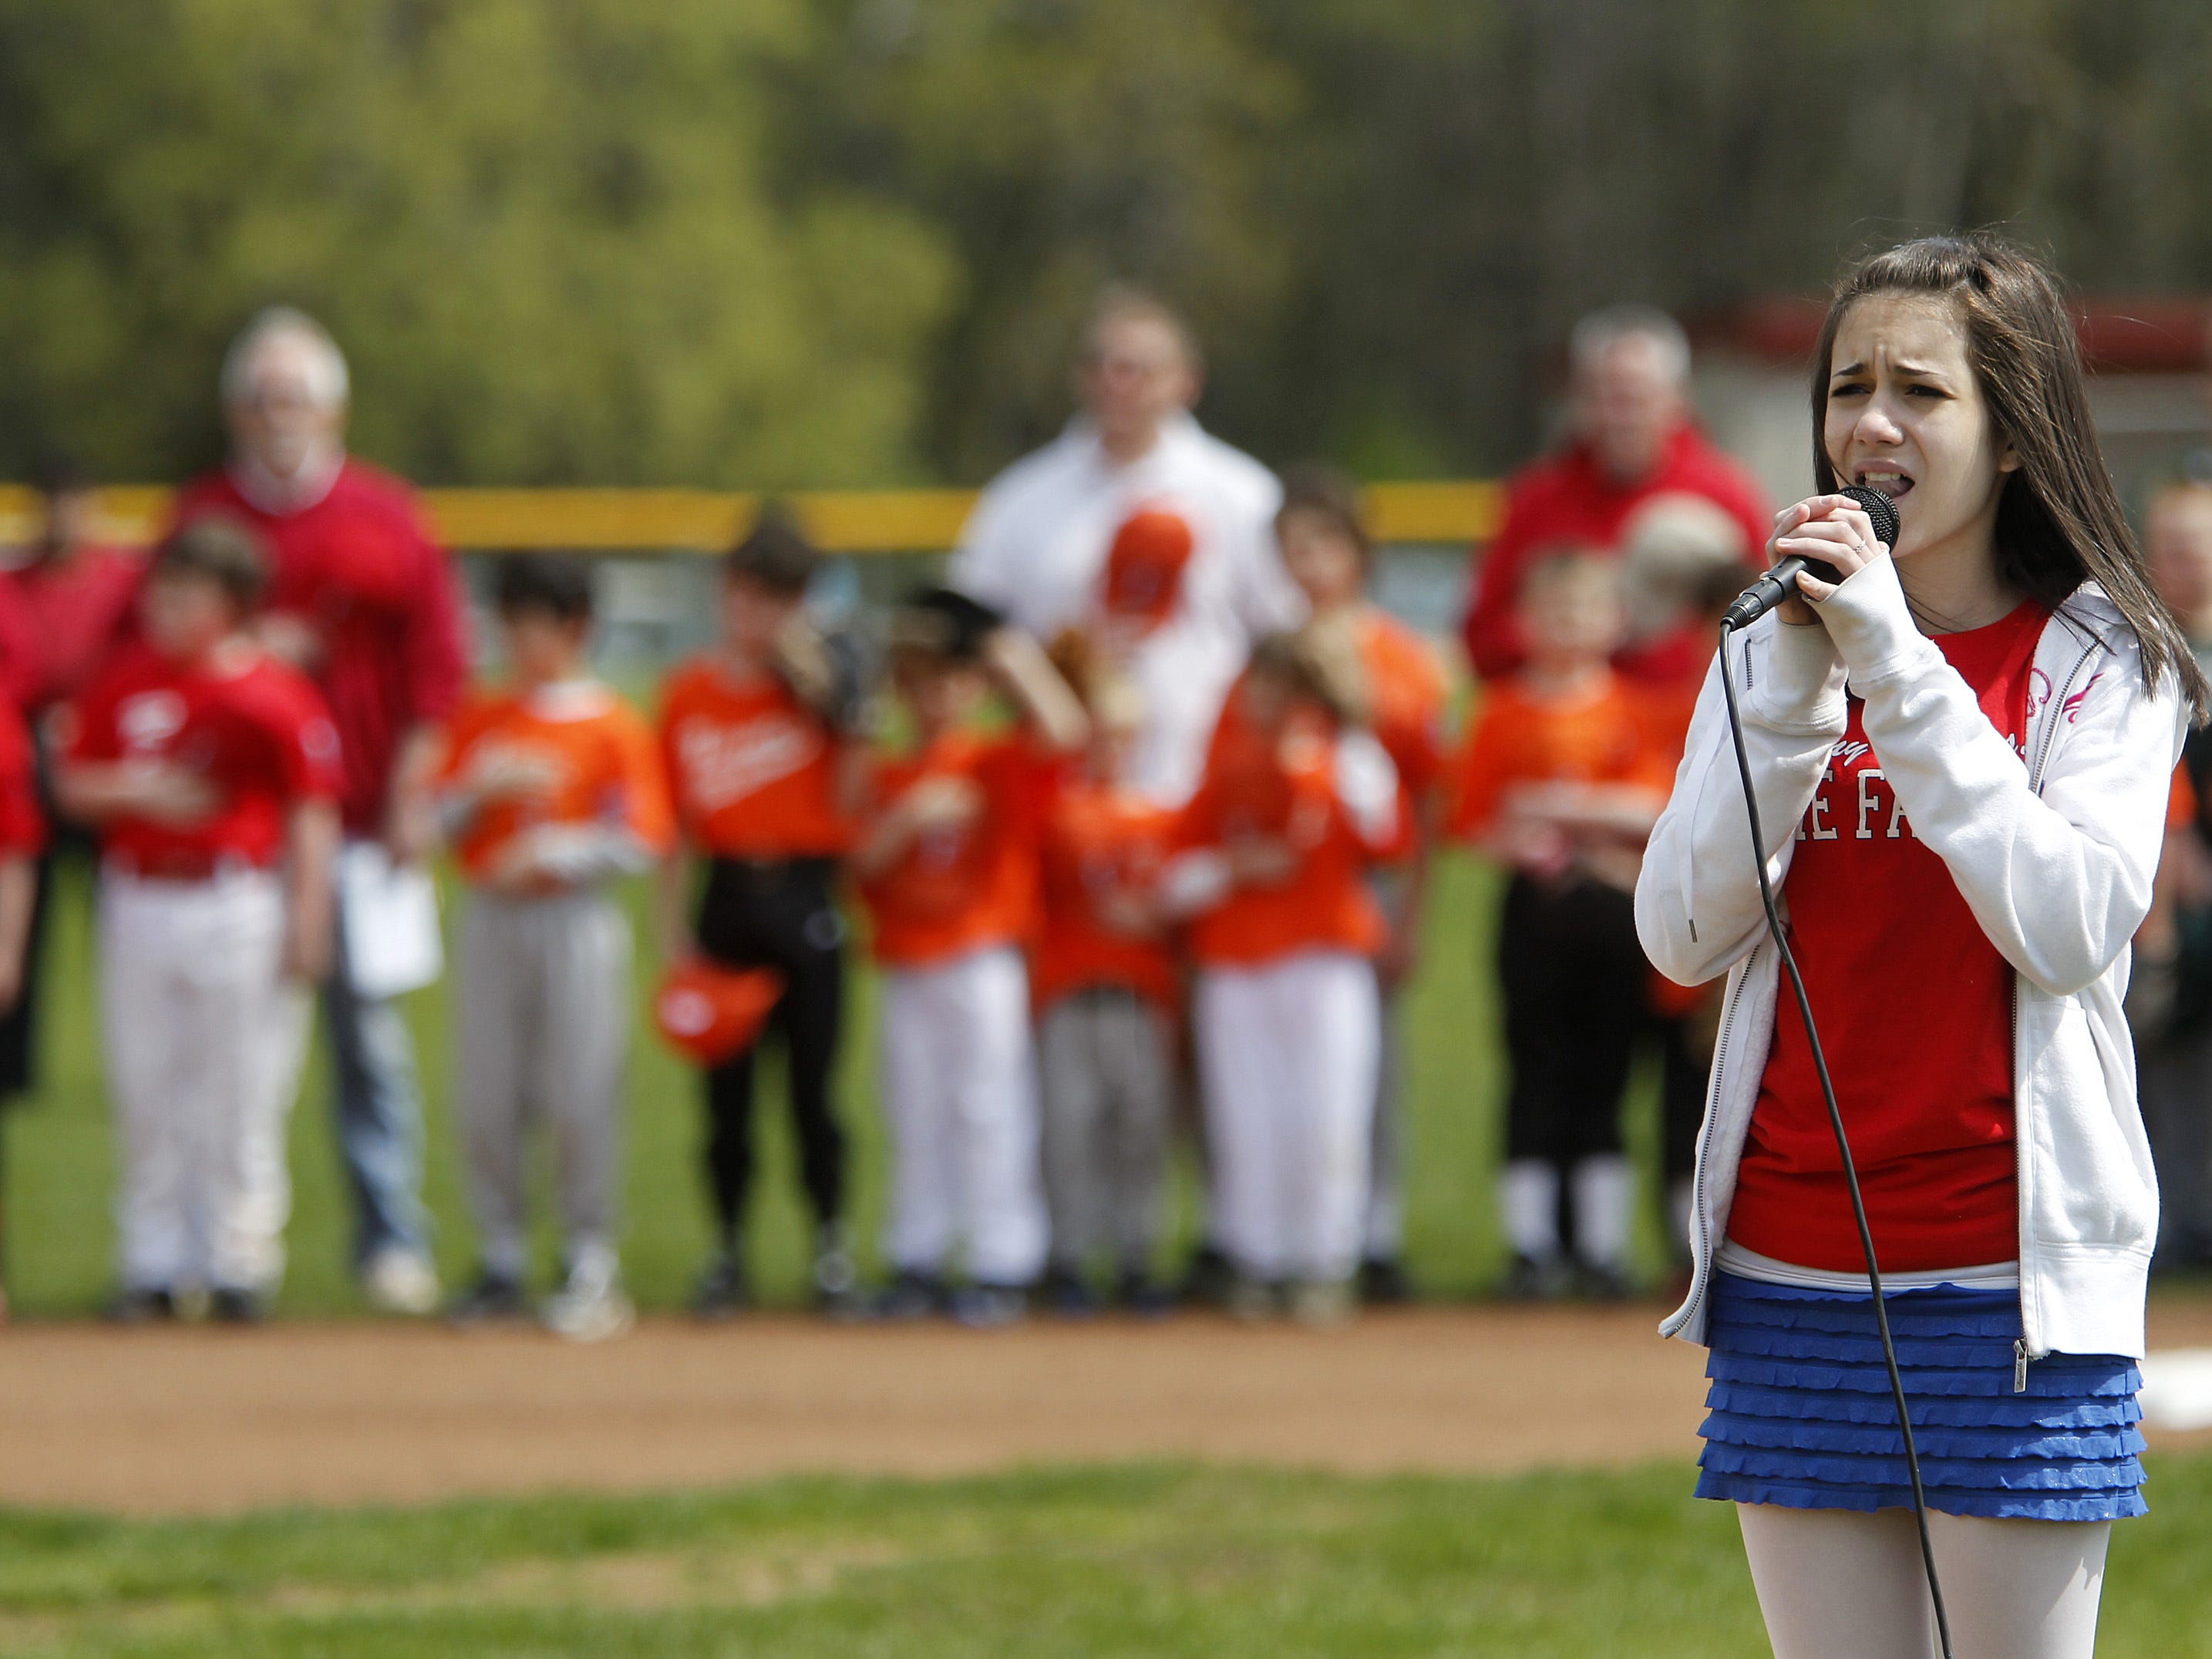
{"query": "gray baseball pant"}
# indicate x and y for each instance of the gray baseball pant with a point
(542, 999)
(1106, 1065)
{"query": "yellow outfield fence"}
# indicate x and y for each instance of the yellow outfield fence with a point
(707, 521)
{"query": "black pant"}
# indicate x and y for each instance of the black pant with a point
(1683, 1073)
(1573, 974)
(782, 915)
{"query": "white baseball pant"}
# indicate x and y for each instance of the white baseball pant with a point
(542, 999)
(959, 1090)
(204, 1037)
(1287, 1055)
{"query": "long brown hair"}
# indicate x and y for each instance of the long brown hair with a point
(2059, 520)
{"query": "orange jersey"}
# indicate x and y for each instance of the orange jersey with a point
(592, 751)
(1287, 790)
(1407, 694)
(2181, 799)
(1601, 735)
(958, 891)
(1099, 840)
(753, 770)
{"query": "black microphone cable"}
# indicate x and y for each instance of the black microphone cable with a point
(1843, 1143)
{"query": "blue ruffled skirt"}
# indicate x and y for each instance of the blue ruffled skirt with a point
(1800, 1413)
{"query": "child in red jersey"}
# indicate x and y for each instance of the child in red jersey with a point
(759, 735)
(1297, 800)
(22, 837)
(210, 771)
(946, 862)
(1560, 783)
(1104, 981)
(548, 790)
(1325, 549)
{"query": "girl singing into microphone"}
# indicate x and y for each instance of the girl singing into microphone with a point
(1961, 750)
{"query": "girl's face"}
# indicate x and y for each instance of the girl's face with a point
(753, 615)
(1906, 416)
(185, 615)
(1321, 559)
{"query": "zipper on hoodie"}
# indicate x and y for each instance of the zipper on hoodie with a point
(2055, 708)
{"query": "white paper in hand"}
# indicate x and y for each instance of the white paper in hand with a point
(391, 922)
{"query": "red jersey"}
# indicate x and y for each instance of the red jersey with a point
(1915, 1008)
(1283, 790)
(81, 612)
(1569, 500)
(23, 827)
(360, 567)
(595, 751)
(1099, 840)
(968, 889)
(252, 727)
(754, 771)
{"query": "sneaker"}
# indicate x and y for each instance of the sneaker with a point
(140, 1307)
(1066, 1295)
(230, 1304)
(1251, 1300)
(1138, 1293)
(1384, 1284)
(721, 1292)
(909, 1296)
(835, 1277)
(1528, 1280)
(990, 1307)
(395, 1280)
(1321, 1302)
(1604, 1281)
(492, 1299)
(591, 1306)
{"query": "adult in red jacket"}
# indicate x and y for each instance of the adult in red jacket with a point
(365, 601)
(1633, 440)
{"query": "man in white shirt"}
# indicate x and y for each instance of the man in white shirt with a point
(1037, 542)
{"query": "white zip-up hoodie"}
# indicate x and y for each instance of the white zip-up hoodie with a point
(2053, 850)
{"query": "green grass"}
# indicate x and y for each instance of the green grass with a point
(1141, 1561)
(56, 1172)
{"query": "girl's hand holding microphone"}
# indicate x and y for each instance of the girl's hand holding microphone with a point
(1835, 530)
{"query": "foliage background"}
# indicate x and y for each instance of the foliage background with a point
(817, 242)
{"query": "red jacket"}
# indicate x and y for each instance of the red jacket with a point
(361, 567)
(1567, 499)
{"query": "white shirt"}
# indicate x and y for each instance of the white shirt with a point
(1035, 545)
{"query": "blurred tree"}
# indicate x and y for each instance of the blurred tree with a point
(827, 240)
(542, 231)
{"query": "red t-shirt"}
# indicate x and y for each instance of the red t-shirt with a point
(81, 612)
(1914, 1007)
(1568, 500)
(361, 568)
(254, 728)
(970, 888)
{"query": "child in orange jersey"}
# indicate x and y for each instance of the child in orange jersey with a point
(1560, 783)
(548, 789)
(1105, 985)
(1295, 801)
(947, 864)
(1325, 549)
(758, 736)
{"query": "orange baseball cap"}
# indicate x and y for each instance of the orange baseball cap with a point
(711, 1013)
(1143, 566)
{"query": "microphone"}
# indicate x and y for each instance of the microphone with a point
(1780, 581)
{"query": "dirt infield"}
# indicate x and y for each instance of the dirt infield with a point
(189, 1421)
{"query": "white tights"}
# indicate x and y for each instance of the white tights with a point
(1836, 1584)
